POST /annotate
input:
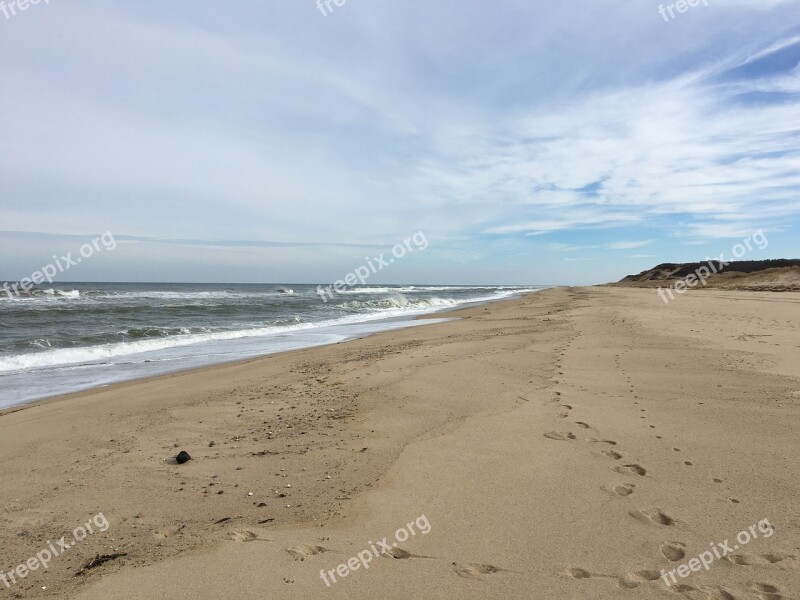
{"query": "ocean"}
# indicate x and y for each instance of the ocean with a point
(76, 336)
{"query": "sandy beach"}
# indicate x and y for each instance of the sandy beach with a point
(572, 443)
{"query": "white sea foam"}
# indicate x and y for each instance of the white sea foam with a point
(396, 305)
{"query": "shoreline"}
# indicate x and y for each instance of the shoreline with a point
(560, 442)
(188, 371)
(409, 320)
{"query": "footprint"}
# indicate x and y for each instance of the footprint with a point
(168, 532)
(612, 455)
(757, 559)
(304, 551)
(577, 573)
(764, 587)
(400, 554)
(475, 570)
(655, 517)
(609, 442)
(631, 469)
(766, 591)
(673, 551)
(627, 584)
(632, 580)
(560, 435)
(625, 489)
(244, 535)
(582, 424)
(562, 415)
(709, 592)
(687, 590)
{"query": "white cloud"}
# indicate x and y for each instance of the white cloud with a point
(629, 245)
(677, 148)
(518, 120)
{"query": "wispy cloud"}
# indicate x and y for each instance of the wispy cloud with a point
(622, 245)
(629, 245)
(503, 131)
(685, 148)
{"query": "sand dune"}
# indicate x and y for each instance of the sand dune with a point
(754, 275)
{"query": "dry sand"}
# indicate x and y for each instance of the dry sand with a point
(569, 444)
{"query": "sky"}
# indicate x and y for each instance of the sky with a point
(263, 141)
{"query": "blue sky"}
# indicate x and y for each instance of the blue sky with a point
(532, 142)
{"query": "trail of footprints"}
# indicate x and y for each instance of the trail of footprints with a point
(672, 551)
(301, 552)
(629, 581)
(621, 490)
(634, 579)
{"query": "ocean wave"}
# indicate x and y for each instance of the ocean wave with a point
(154, 339)
(399, 301)
(368, 290)
(42, 294)
(72, 294)
(43, 343)
(169, 295)
(157, 332)
(90, 354)
(423, 289)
